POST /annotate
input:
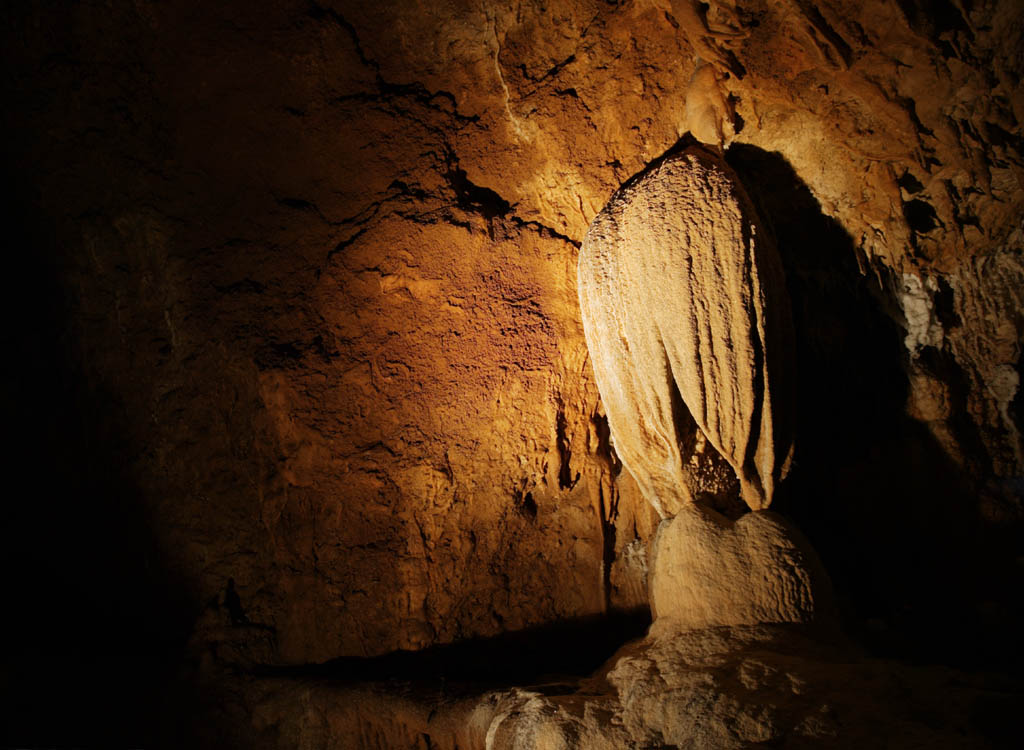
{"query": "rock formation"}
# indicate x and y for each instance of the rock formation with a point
(707, 571)
(291, 300)
(723, 687)
(687, 321)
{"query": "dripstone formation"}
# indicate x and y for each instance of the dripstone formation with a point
(707, 570)
(322, 447)
(687, 321)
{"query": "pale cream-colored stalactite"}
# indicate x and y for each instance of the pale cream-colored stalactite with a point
(688, 323)
(709, 114)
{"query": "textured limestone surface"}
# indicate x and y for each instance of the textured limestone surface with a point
(687, 321)
(320, 265)
(310, 276)
(707, 570)
(719, 687)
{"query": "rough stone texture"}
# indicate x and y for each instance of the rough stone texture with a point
(713, 688)
(978, 312)
(309, 270)
(687, 321)
(320, 260)
(707, 570)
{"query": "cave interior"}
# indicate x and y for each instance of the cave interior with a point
(306, 444)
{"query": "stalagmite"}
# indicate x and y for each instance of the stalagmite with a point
(708, 571)
(688, 324)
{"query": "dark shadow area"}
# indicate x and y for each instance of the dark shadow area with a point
(211, 705)
(931, 18)
(894, 520)
(541, 655)
(90, 635)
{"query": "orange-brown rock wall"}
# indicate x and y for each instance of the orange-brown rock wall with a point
(323, 256)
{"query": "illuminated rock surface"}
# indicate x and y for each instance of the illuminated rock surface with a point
(712, 688)
(687, 321)
(707, 570)
(291, 301)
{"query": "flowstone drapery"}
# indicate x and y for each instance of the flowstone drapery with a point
(688, 324)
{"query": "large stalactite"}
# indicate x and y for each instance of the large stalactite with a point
(300, 384)
(687, 320)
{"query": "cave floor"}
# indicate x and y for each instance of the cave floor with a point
(724, 687)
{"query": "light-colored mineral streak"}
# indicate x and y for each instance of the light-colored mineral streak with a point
(688, 325)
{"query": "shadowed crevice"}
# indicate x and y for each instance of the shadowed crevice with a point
(872, 489)
(569, 648)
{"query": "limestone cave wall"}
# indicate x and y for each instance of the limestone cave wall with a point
(296, 363)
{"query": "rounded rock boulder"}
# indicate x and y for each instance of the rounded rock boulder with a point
(708, 571)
